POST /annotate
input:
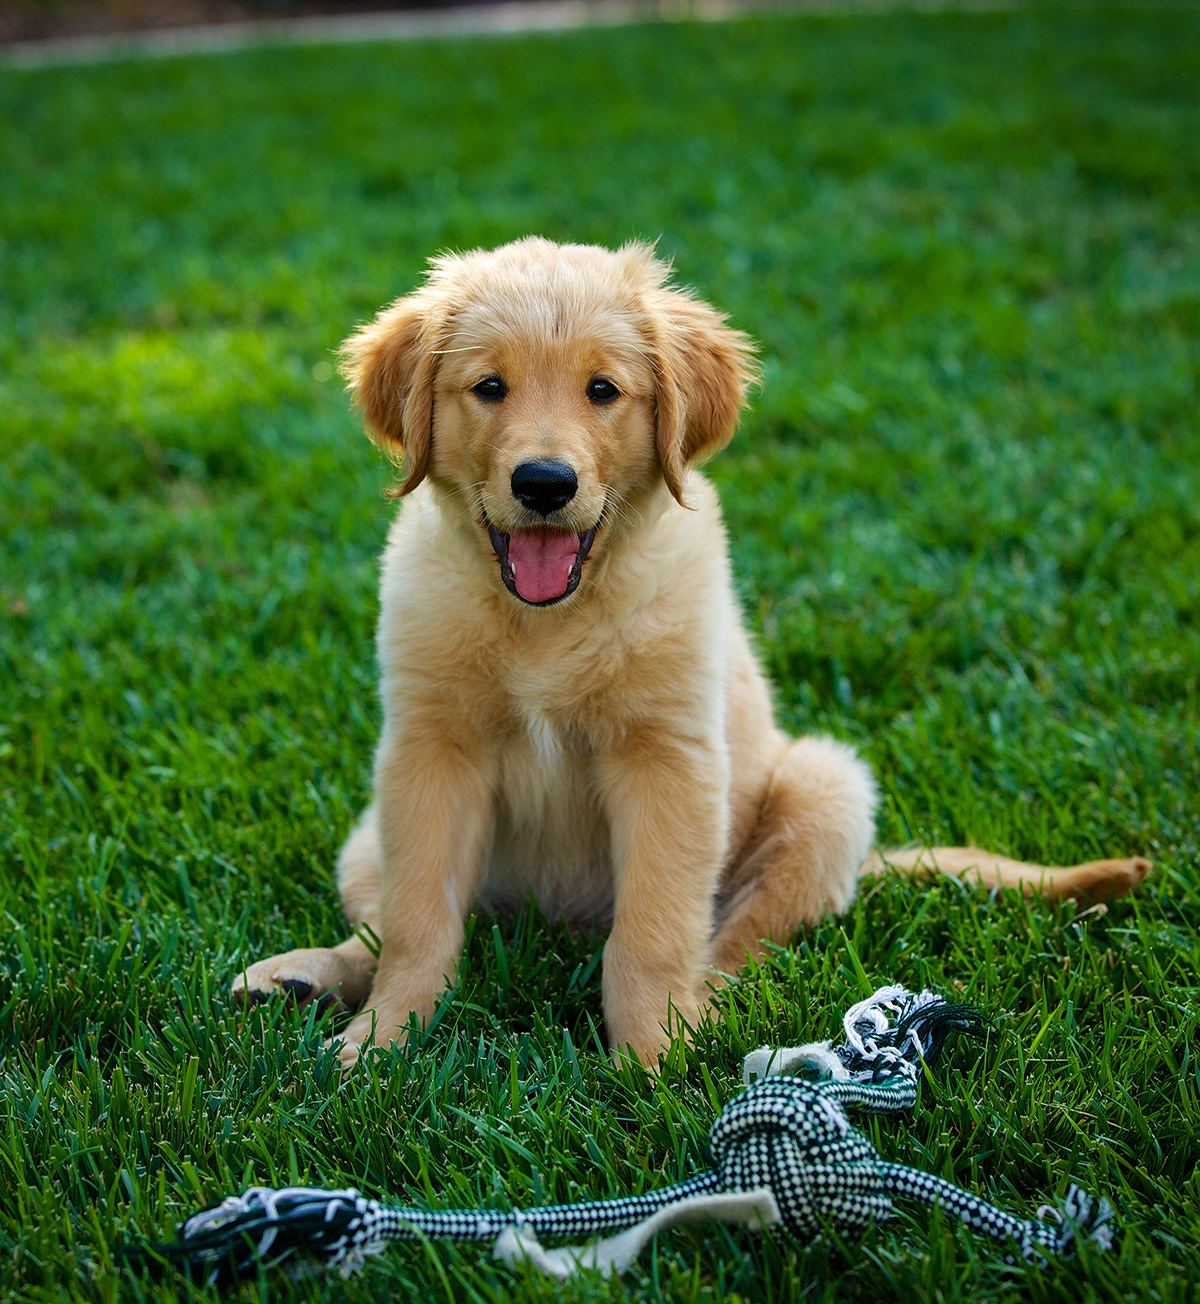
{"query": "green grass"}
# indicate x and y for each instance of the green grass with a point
(965, 514)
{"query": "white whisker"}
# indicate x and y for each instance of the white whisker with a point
(620, 505)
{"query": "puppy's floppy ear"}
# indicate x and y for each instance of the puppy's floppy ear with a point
(389, 366)
(704, 368)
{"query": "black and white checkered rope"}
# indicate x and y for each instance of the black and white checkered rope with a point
(276, 1226)
(783, 1154)
(1051, 1232)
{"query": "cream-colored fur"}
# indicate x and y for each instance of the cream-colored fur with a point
(613, 754)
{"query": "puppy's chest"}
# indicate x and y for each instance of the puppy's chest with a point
(546, 767)
(551, 837)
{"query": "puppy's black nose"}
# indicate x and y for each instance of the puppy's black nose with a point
(544, 486)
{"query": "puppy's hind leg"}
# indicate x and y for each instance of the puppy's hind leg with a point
(815, 828)
(338, 975)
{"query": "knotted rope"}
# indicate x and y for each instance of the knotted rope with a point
(783, 1153)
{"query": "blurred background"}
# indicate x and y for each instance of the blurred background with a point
(966, 241)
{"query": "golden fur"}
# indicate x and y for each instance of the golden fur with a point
(614, 753)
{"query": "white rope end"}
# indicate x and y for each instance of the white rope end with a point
(516, 1245)
(786, 1061)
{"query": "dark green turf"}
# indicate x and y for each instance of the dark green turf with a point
(965, 513)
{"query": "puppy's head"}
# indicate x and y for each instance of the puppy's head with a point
(548, 387)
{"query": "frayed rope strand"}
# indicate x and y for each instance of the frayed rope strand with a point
(876, 1048)
(889, 1037)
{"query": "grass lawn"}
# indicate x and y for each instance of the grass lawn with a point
(965, 514)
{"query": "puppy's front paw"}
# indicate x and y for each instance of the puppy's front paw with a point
(364, 1031)
(348, 1053)
(649, 1059)
(316, 974)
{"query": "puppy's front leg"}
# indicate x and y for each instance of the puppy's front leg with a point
(435, 802)
(668, 812)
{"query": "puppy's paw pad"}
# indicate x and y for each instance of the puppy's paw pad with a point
(298, 977)
(249, 995)
(251, 988)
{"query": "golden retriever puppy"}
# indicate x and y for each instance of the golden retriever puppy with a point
(572, 707)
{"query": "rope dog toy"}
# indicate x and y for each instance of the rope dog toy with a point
(783, 1155)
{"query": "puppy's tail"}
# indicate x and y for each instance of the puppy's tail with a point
(1095, 880)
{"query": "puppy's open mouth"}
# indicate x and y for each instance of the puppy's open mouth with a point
(540, 565)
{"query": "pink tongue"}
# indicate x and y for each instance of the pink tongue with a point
(541, 561)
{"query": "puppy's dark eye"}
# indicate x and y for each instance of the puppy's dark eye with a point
(490, 388)
(602, 391)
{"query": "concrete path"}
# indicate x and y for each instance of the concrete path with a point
(469, 20)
